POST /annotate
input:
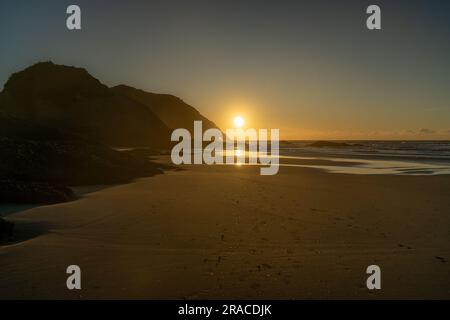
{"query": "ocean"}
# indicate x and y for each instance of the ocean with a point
(373, 157)
(435, 151)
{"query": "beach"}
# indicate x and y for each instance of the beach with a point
(226, 232)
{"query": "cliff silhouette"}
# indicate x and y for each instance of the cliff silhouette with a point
(73, 101)
(173, 111)
(70, 99)
(59, 127)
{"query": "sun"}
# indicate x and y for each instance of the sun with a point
(238, 122)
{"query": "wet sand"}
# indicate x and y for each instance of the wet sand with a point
(227, 232)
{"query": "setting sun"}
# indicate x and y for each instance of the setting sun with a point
(238, 122)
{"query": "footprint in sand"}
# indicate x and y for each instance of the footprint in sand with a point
(255, 286)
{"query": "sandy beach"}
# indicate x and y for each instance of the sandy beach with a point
(226, 232)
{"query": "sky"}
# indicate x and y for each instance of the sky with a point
(310, 68)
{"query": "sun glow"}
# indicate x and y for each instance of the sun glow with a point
(238, 122)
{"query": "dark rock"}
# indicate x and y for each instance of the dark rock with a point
(69, 162)
(6, 229)
(34, 192)
(39, 171)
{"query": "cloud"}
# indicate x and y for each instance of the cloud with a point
(426, 131)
